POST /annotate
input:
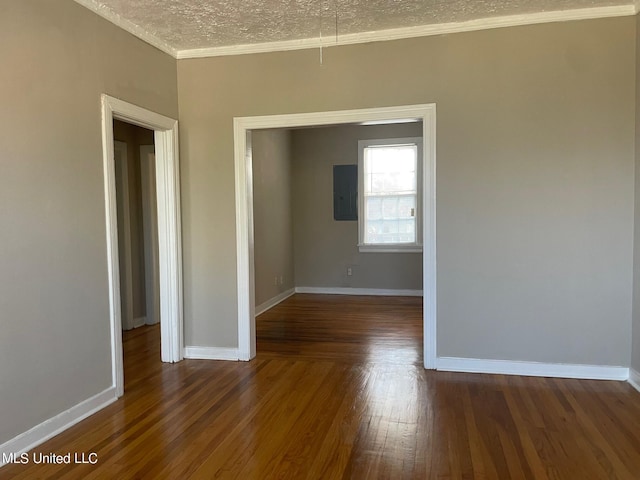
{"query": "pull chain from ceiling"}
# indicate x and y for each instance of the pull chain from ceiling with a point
(335, 5)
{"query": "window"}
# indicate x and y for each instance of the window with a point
(389, 173)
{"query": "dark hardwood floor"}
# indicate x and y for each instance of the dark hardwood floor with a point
(338, 391)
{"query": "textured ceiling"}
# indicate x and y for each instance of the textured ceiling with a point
(192, 24)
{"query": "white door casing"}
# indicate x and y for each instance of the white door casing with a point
(244, 208)
(169, 240)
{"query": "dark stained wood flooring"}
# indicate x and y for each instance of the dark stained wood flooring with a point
(338, 391)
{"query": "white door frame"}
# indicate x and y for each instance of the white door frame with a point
(169, 239)
(242, 127)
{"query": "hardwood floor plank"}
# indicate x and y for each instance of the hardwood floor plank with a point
(338, 391)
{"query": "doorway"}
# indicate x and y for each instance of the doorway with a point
(134, 154)
(165, 133)
(244, 208)
(306, 238)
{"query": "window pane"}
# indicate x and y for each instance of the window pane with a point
(390, 208)
(373, 208)
(390, 169)
(407, 206)
(376, 182)
(390, 191)
(386, 227)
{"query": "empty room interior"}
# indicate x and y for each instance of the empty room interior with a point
(320, 239)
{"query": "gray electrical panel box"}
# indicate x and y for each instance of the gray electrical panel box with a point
(345, 192)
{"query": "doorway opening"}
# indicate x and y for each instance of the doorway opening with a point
(134, 155)
(243, 126)
(169, 248)
(308, 240)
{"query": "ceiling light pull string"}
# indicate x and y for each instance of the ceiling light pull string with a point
(321, 5)
(335, 5)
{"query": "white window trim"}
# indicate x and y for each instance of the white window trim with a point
(393, 247)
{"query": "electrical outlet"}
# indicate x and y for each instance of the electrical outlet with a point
(281, 280)
(275, 280)
(349, 271)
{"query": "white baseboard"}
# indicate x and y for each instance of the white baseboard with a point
(211, 353)
(55, 425)
(139, 322)
(634, 379)
(532, 369)
(263, 307)
(359, 291)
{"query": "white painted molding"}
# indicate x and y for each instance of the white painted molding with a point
(382, 292)
(532, 369)
(211, 353)
(242, 127)
(245, 266)
(429, 257)
(634, 379)
(417, 31)
(169, 240)
(113, 266)
(269, 304)
(55, 425)
(132, 28)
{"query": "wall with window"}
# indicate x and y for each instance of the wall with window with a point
(324, 249)
(535, 166)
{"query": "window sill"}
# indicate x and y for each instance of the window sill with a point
(390, 248)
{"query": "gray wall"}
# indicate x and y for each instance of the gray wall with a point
(635, 339)
(534, 178)
(325, 248)
(57, 58)
(273, 235)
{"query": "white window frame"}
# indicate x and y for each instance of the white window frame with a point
(390, 247)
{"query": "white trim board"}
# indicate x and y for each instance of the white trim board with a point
(382, 292)
(169, 239)
(634, 379)
(55, 425)
(272, 302)
(211, 353)
(242, 127)
(532, 369)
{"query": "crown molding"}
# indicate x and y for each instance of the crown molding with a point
(418, 31)
(364, 37)
(130, 27)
